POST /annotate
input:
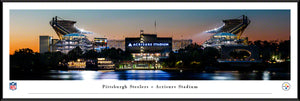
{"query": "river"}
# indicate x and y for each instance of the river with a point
(151, 75)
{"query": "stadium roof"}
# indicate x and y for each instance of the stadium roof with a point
(74, 34)
(224, 34)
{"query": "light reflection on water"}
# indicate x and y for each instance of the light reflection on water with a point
(146, 75)
(266, 75)
(161, 75)
(109, 75)
(89, 75)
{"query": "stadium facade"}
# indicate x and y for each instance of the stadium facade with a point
(230, 43)
(71, 37)
(73, 40)
(176, 44)
(45, 43)
(63, 27)
(148, 47)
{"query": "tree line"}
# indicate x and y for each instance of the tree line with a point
(192, 56)
(27, 60)
(268, 49)
(195, 56)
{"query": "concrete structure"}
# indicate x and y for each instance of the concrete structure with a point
(63, 27)
(73, 40)
(69, 36)
(45, 42)
(232, 47)
(229, 34)
(52, 46)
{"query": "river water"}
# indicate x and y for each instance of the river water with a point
(153, 75)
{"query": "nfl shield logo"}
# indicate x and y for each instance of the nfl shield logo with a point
(13, 86)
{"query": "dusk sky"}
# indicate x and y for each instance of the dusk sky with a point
(27, 25)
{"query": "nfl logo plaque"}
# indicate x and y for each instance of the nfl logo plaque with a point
(13, 86)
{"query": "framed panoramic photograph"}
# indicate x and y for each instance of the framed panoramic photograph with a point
(150, 50)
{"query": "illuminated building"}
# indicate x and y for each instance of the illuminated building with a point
(146, 50)
(105, 64)
(220, 39)
(45, 42)
(99, 44)
(148, 47)
(231, 45)
(80, 63)
(63, 27)
(176, 44)
(70, 36)
(71, 41)
(229, 34)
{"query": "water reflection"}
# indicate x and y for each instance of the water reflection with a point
(109, 75)
(89, 75)
(266, 75)
(145, 75)
(164, 75)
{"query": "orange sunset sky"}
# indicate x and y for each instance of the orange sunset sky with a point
(27, 25)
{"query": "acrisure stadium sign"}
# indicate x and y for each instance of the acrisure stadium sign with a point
(147, 44)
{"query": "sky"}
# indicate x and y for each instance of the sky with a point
(27, 25)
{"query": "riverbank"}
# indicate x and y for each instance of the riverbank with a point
(223, 67)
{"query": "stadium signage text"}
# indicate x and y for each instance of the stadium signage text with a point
(147, 44)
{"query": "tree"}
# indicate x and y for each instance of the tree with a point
(126, 56)
(116, 55)
(75, 53)
(24, 51)
(258, 43)
(171, 60)
(55, 58)
(90, 54)
(185, 57)
(284, 49)
(211, 55)
(23, 59)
